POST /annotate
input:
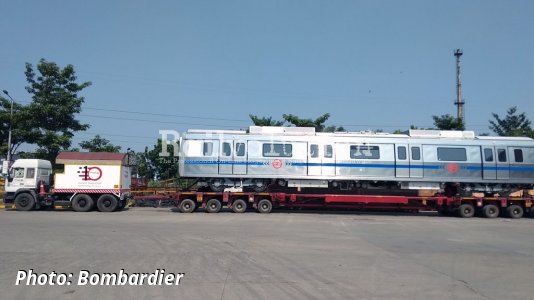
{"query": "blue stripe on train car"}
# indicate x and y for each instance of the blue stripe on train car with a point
(346, 165)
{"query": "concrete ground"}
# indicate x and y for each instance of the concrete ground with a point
(284, 255)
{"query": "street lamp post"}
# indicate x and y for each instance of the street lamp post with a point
(10, 124)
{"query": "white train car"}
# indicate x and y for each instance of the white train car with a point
(301, 157)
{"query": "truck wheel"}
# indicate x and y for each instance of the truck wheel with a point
(490, 211)
(531, 212)
(466, 211)
(82, 203)
(213, 206)
(187, 206)
(239, 206)
(24, 202)
(514, 211)
(265, 206)
(107, 203)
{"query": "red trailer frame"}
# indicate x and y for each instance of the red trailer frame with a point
(490, 207)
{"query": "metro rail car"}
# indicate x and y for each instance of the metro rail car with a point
(448, 162)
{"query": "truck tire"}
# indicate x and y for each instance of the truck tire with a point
(82, 203)
(24, 202)
(213, 206)
(239, 206)
(187, 206)
(265, 206)
(466, 211)
(514, 211)
(531, 213)
(490, 211)
(107, 203)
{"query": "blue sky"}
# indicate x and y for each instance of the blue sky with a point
(208, 64)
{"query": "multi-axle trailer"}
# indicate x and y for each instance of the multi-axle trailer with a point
(239, 202)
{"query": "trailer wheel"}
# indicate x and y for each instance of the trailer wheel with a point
(122, 204)
(531, 213)
(514, 211)
(107, 203)
(490, 211)
(213, 206)
(265, 206)
(239, 206)
(24, 202)
(187, 206)
(82, 203)
(466, 211)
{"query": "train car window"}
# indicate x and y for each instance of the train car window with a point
(518, 153)
(207, 148)
(488, 154)
(401, 150)
(452, 154)
(314, 150)
(416, 153)
(30, 172)
(328, 152)
(226, 149)
(364, 152)
(501, 155)
(240, 149)
(277, 150)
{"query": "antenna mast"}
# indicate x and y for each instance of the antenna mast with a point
(459, 101)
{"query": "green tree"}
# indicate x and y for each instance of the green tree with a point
(55, 104)
(21, 129)
(153, 166)
(318, 123)
(448, 122)
(265, 121)
(99, 144)
(513, 124)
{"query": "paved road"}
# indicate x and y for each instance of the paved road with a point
(284, 255)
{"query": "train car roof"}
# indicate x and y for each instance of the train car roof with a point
(310, 131)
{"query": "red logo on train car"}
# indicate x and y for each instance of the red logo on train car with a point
(277, 164)
(90, 173)
(452, 168)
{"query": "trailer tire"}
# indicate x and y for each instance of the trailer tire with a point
(265, 206)
(187, 206)
(107, 203)
(122, 204)
(514, 211)
(490, 211)
(213, 206)
(82, 203)
(239, 206)
(531, 213)
(466, 211)
(24, 202)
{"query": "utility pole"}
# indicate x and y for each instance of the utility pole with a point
(459, 101)
(10, 125)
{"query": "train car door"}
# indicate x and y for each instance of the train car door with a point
(233, 157)
(226, 158)
(314, 160)
(489, 163)
(402, 161)
(503, 163)
(329, 160)
(240, 157)
(416, 161)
